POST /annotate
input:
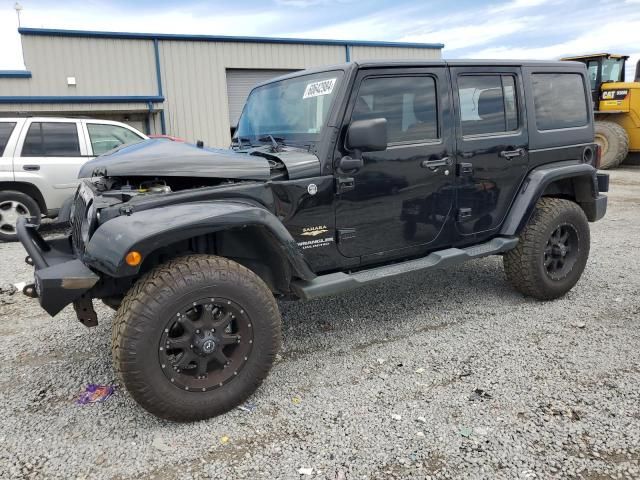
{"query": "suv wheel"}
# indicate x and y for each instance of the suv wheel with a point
(12, 206)
(552, 251)
(195, 337)
(613, 141)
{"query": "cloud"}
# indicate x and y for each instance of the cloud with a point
(516, 5)
(607, 36)
(480, 33)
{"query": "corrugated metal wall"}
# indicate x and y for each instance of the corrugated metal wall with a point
(193, 75)
(391, 53)
(102, 66)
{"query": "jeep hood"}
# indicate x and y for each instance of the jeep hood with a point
(164, 158)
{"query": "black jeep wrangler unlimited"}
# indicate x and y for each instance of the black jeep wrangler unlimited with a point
(336, 177)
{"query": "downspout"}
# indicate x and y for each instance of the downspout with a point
(347, 52)
(156, 50)
(147, 125)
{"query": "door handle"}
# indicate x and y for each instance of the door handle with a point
(31, 168)
(441, 162)
(509, 154)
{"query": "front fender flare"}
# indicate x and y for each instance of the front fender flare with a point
(534, 186)
(148, 230)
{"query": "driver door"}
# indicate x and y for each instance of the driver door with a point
(400, 199)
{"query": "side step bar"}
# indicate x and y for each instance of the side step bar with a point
(334, 283)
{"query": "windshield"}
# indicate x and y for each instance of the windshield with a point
(612, 69)
(295, 109)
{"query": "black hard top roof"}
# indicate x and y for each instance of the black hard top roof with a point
(428, 63)
(461, 63)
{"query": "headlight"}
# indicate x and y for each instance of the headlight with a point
(85, 229)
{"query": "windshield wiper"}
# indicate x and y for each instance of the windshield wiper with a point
(274, 142)
(239, 141)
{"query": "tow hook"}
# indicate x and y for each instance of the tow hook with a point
(28, 260)
(30, 290)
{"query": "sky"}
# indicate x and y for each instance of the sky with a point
(541, 29)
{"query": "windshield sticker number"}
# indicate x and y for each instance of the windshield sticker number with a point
(317, 89)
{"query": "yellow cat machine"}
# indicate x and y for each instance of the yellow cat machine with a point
(616, 106)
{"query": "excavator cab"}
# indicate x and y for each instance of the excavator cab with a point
(616, 105)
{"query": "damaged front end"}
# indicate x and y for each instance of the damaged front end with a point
(159, 199)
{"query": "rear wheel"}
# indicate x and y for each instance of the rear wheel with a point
(614, 143)
(195, 337)
(552, 251)
(14, 205)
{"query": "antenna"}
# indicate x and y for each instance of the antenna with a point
(18, 8)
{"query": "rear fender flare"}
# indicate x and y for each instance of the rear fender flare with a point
(534, 187)
(149, 230)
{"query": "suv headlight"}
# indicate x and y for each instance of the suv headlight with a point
(85, 229)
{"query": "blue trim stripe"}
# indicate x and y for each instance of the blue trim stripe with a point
(15, 74)
(81, 99)
(219, 38)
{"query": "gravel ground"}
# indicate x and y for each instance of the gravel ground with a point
(448, 374)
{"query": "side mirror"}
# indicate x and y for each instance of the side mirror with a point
(367, 135)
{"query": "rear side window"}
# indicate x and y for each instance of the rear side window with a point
(106, 137)
(560, 100)
(408, 104)
(487, 104)
(5, 132)
(51, 139)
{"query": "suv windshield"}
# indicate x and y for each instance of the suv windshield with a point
(295, 109)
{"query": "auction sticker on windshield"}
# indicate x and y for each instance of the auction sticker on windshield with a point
(317, 89)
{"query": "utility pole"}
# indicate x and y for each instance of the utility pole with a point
(18, 8)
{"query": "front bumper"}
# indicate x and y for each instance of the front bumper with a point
(60, 277)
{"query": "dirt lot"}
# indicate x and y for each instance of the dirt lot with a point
(448, 374)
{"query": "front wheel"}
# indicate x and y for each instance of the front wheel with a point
(552, 251)
(195, 337)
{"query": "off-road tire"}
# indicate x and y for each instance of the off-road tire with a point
(524, 265)
(25, 202)
(138, 326)
(616, 142)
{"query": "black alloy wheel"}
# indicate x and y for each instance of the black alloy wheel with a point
(205, 344)
(561, 251)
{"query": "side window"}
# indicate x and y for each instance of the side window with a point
(560, 100)
(408, 103)
(106, 137)
(488, 104)
(51, 139)
(5, 132)
(592, 67)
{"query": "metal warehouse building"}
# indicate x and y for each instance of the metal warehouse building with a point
(190, 86)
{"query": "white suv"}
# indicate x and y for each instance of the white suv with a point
(40, 158)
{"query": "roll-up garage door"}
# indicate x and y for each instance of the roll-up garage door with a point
(239, 84)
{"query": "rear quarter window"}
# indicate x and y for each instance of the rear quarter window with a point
(5, 132)
(560, 100)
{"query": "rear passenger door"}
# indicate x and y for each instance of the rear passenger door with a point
(49, 155)
(492, 146)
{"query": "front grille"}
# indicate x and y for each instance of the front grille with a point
(79, 216)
